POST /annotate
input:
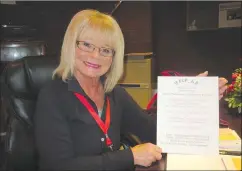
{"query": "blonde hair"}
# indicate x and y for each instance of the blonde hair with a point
(104, 24)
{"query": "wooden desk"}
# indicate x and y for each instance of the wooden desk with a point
(234, 123)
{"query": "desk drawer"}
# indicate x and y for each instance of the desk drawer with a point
(140, 93)
(137, 71)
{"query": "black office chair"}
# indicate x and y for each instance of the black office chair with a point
(21, 81)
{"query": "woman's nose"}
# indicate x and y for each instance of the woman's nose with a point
(95, 53)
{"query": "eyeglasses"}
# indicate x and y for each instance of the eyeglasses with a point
(88, 47)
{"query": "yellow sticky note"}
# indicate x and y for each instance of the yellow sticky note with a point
(227, 137)
(237, 162)
(227, 134)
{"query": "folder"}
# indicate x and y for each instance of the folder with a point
(227, 134)
(229, 141)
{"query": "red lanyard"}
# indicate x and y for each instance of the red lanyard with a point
(103, 126)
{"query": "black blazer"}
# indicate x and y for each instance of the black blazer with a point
(68, 138)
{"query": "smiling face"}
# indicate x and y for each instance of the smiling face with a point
(93, 54)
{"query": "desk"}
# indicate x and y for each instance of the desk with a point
(234, 123)
(160, 165)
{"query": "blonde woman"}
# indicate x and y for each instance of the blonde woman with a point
(81, 113)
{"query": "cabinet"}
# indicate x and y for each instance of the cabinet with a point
(137, 80)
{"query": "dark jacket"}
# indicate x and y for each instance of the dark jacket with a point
(68, 138)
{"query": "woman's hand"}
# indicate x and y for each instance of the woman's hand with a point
(146, 154)
(222, 84)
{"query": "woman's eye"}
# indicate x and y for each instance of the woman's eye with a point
(106, 50)
(86, 44)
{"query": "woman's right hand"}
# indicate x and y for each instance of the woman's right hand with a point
(146, 154)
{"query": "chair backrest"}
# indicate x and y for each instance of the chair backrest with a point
(21, 81)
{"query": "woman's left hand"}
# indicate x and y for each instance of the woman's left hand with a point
(221, 82)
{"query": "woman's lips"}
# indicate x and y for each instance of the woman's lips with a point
(92, 65)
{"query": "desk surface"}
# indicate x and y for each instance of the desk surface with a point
(234, 123)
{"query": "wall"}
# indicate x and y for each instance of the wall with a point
(52, 18)
(218, 51)
(135, 19)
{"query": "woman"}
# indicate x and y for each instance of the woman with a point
(81, 113)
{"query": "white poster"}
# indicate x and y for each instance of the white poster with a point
(188, 115)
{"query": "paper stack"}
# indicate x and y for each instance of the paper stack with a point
(229, 142)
